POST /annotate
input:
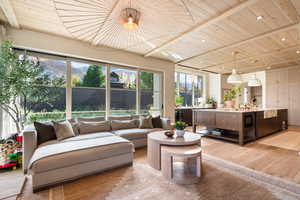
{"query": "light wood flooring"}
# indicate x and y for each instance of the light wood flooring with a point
(270, 159)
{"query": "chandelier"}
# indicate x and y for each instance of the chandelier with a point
(130, 18)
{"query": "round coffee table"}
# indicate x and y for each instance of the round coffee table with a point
(158, 138)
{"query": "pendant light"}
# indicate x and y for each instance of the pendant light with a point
(254, 82)
(130, 18)
(234, 78)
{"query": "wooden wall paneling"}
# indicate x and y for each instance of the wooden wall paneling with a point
(272, 89)
(283, 90)
(294, 95)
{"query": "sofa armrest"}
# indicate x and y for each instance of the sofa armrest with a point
(29, 146)
(166, 123)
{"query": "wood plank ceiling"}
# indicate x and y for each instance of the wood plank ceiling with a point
(200, 34)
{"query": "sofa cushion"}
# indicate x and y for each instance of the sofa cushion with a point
(90, 119)
(45, 132)
(156, 122)
(63, 130)
(131, 134)
(89, 136)
(146, 122)
(78, 157)
(123, 117)
(93, 127)
(123, 124)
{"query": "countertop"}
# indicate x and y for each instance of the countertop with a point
(238, 111)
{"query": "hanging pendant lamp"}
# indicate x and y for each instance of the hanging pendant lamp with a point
(254, 82)
(234, 78)
(130, 18)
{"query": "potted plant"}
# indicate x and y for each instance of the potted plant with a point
(210, 103)
(221, 104)
(24, 85)
(230, 96)
(180, 126)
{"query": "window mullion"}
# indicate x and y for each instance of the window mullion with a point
(69, 91)
(108, 92)
(138, 93)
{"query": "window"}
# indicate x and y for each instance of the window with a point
(123, 91)
(151, 84)
(52, 106)
(190, 87)
(88, 89)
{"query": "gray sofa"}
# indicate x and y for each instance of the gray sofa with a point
(84, 154)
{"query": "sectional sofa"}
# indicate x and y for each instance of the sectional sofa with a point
(90, 151)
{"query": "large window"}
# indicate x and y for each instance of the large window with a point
(151, 85)
(94, 89)
(189, 87)
(53, 106)
(123, 91)
(88, 89)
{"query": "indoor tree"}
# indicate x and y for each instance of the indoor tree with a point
(24, 84)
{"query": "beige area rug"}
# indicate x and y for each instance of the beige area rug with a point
(287, 140)
(220, 180)
(11, 184)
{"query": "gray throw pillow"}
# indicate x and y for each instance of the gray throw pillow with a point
(63, 130)
(146, 122)
(93, 127)
(123, 124)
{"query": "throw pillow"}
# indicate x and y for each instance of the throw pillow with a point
(156, 122)
(146, 122)
(63, 130)
(123, 124)
(93, 127)
(45, 132)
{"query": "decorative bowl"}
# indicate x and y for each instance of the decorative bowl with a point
(169, 133)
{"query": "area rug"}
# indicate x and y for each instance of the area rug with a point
(141, 182)
(287, 140)
(11, 184)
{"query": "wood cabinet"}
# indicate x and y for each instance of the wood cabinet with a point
(185, 115)
(283, 91)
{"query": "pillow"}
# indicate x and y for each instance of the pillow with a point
(146, 122)
(93, 127)
(91, 119)
(156, 122)
(123, 124)
(63, 130)
(45, 132)
(74, 124)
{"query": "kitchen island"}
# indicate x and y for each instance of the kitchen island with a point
(240, 126)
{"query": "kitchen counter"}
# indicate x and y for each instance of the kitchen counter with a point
(240, 126)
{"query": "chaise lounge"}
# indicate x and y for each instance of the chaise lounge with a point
(98, 145)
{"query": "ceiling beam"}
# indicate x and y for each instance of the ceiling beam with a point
(254, 57)
(95, 40)
(202, 25)
(257, 37)
(9, 13)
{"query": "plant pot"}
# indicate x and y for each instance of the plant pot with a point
(180, 133)
(220, 105)
(229, 104)
(209, 105)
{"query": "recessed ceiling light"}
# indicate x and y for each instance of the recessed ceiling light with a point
(268, 67)
(283, 39)
(203, 40)
(259, 17)
(298, 52)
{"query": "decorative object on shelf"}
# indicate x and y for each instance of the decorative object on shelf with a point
(130, 18)
(234, 78)
(230, 96)
(11, 152)
(254, 82)
(179, 100)
(169, 133)
(210, 103)
(180, 126)
(221, 104)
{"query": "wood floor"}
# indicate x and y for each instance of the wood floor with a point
(277, 161)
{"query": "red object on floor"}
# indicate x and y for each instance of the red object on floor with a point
(7, 165)
(19, 139)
